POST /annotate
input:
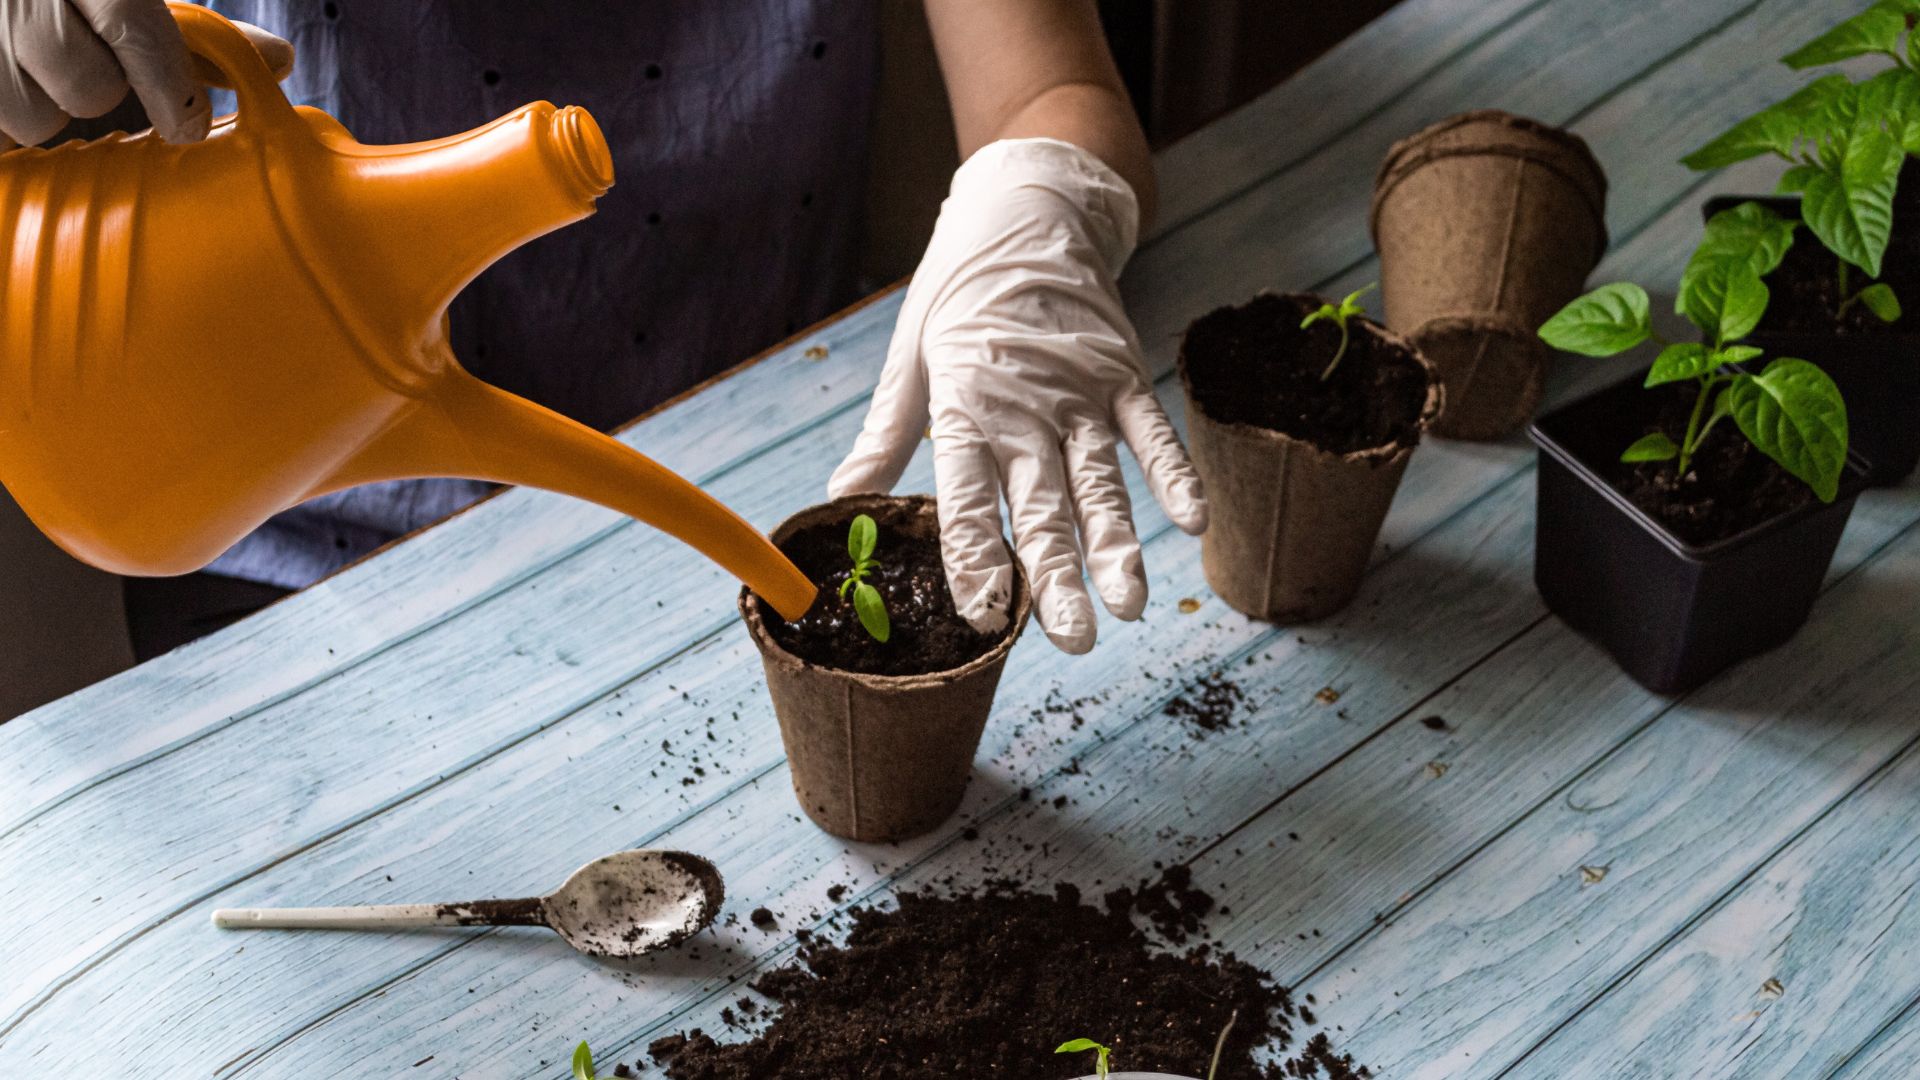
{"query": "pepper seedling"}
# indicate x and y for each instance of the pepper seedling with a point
(1791, 411)
(1081, 1046)
(1844, 142)
(1339, 314)
(583, 1063)
(862, 537)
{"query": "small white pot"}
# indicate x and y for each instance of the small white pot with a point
(1140, 1076)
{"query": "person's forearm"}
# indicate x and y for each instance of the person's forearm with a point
(1032, 68)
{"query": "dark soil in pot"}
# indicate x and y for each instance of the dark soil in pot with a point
(986, 984)
(928, 634)
(1255, 365)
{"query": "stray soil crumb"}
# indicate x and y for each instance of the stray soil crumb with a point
(1189, 605)
(1435, 723)
(1208, 703)
(763, 919)
(1327, 695)
(987, 984)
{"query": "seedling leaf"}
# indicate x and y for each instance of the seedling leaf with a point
(1654, 447)
(1081, 1046)
(1776, 129)
(872, 611)
(1880, 300)
(1875, 30)
(1850, 208)
(1747, 234)
(1737, 354)
(1609, 320)
(861, 538)
(582, 1063)
(1686, 360)
(1724, 299)
(1793, 413)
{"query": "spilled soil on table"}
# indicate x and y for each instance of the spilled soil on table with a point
(985, 983)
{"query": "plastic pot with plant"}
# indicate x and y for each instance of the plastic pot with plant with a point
(1302, 414)
(1686, 522)
(1103, 1058)
(1844, 147)
(1486, 223)
(882, 689)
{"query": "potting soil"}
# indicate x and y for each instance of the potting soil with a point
(1729, 487)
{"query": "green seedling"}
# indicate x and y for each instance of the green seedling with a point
(1081, 1046)
(1843, 142)
(1339, 314)
(583, 1063)
(1791, 411)
(1220, 1045)
(862, 536)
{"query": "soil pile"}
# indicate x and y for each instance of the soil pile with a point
(987, 984)
(928, 633)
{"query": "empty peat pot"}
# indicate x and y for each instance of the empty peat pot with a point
(1486, 224)
(1673, 614)
(1292, 520)
(1875, 365)
(877, 757)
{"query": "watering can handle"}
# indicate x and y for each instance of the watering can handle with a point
(224, 58)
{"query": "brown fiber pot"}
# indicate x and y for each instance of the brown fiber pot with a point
(878, 758)
(1486, 223)
(1290, 526)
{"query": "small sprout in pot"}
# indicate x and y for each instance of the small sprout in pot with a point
(1081, 1046)
(1340, 314)
(1790, 410)
(862, 536)
(583, 1063)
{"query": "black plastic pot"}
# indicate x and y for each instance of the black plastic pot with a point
(1672, 614)
(1878, 374)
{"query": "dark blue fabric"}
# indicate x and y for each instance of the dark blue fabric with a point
(739, 132)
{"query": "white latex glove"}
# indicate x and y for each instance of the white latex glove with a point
(65, 58)
(1013, 343)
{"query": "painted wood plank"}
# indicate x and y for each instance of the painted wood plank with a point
(1816, 952)
(1471, 972)
(1891, 1052)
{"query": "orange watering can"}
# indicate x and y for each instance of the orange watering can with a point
(194, 338)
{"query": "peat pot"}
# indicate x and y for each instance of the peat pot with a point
(879, 758)
(1291, 526)
(1878, 373)
(1672, 614)
(1486, 223)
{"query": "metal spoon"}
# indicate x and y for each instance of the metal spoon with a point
(615, 908)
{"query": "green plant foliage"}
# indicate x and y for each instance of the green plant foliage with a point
(1081, 1046)
(583, 1063)
(1848, 201)
(1607, 321)
(863, 535)
(1793, 413)
(1875, 30)
(1655, 447)
(1339, 314)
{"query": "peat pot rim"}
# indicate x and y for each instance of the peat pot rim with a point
(900, 511)
(1566, 155)
(1852, 482)
(1373, 456)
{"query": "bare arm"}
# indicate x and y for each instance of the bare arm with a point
(1031, 68)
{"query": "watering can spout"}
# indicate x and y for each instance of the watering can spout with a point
(474, 430)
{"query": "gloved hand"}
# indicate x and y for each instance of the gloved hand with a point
(1013, 342)
(65, 58)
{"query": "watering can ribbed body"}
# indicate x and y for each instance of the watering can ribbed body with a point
(194, 338)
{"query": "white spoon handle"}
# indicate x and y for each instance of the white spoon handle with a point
(384, 916)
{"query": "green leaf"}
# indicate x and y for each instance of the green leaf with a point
(1687, 360)
(861, 538)
(1325, 311)
(1351, 306)
(1881, 300)
(1775, 129)
(582, 1063)
(872, 611)
(1654, 447)
(1889, 101)
(1793, 413)
(1749, 234)
(1077, 1046)
(1607, 321)
(1851, 209)
(1724, 299)
(1737, 354)
(1875, 30)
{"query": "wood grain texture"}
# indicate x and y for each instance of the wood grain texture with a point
(484, 707)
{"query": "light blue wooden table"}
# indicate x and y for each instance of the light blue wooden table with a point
(1573, 879)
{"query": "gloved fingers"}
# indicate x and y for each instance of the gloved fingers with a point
(896, 421)
(1170, 473)
(27, 115)
(69, 61)
(1044, 535)
(274, 49)
(153, 55)
(979, 568)
(1105, 511)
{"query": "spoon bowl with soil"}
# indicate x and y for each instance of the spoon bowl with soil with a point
(1300, 469)
(880, 735)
